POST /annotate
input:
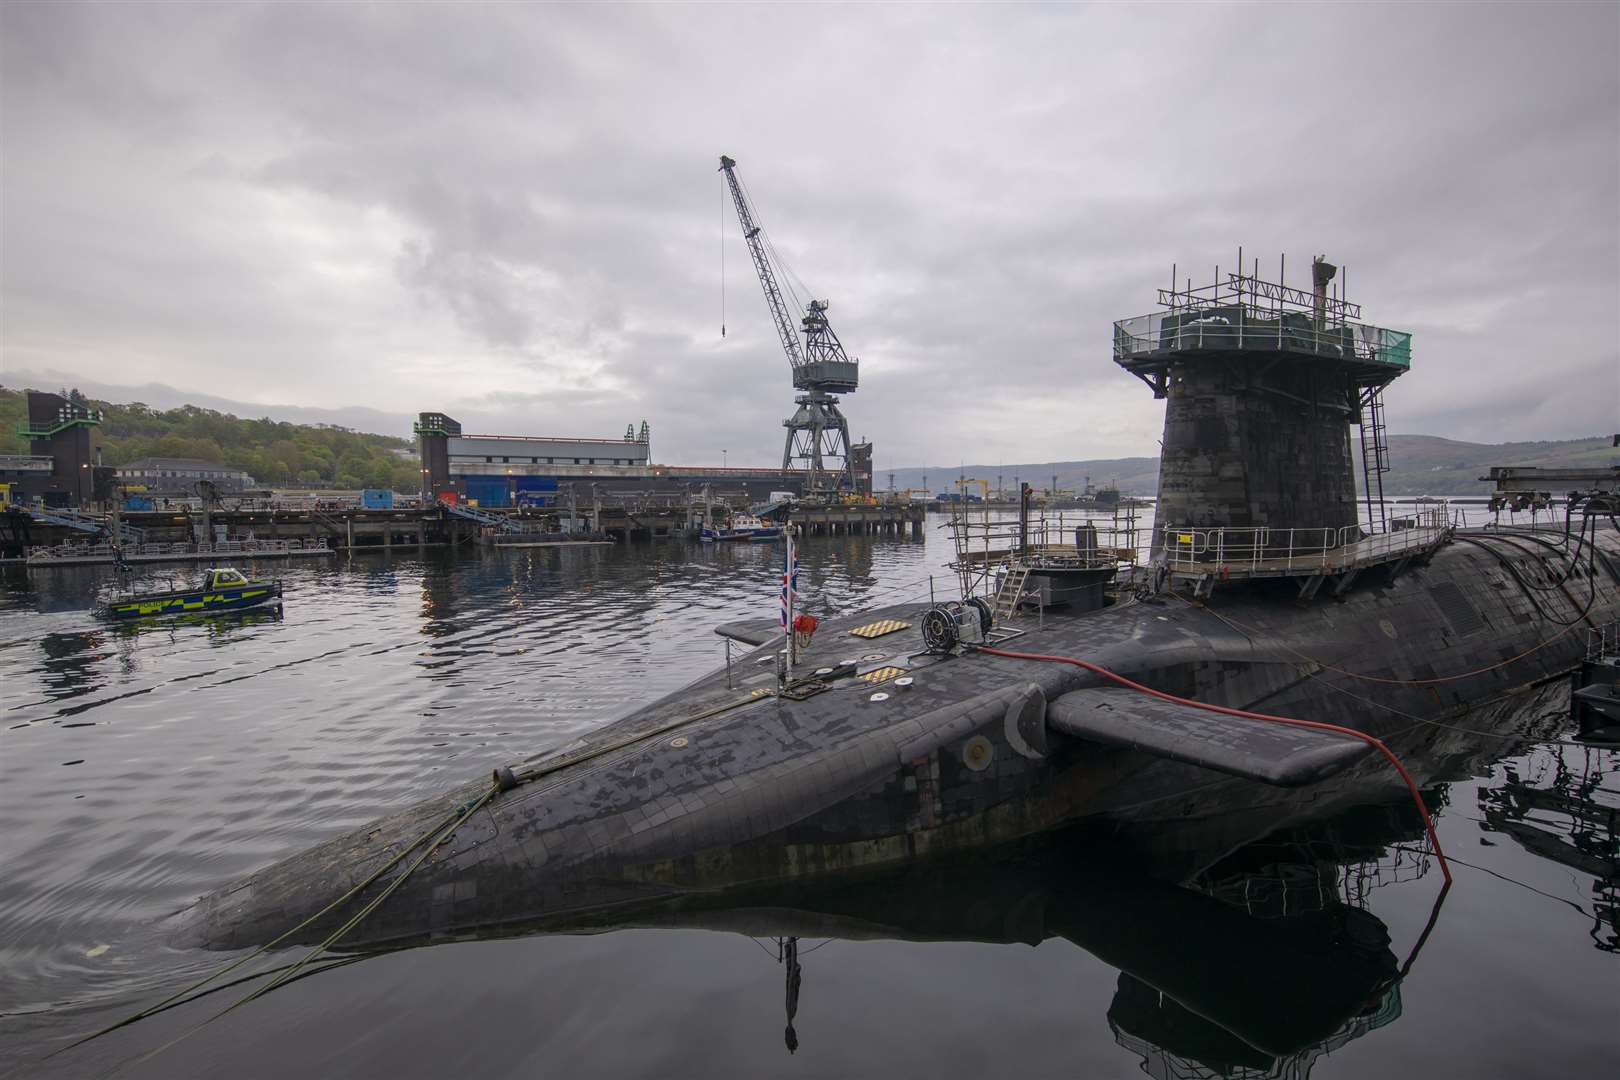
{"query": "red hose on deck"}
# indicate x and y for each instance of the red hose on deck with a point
(1411, 786)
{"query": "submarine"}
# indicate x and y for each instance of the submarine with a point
(1246, 677)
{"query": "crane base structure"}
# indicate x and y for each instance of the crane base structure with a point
(818, 441)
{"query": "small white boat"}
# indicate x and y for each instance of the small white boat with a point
(744, 527)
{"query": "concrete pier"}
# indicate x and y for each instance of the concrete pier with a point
(882, 519)
(359, 529)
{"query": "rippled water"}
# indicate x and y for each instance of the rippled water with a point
(141, 767)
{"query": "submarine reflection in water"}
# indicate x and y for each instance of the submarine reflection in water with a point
(1251, 971)
(1266, 959)
(1555, 805)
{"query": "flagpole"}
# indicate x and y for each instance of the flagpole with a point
(788, 597)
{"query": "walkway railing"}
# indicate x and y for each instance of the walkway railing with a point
(483, 517)
(1281, 552)
(85, 523)
(1234, 327)
(1603, 642)
(82, 552)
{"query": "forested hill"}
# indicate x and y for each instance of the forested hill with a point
(1420, 465)
(271, 452)
(280, 453)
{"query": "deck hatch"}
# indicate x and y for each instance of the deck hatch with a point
(878, 629)
(1456, 607)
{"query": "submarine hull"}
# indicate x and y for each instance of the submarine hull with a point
(728, 782)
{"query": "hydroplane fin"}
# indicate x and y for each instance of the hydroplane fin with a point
(1253, 749)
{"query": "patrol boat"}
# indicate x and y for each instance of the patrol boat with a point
(744, 527)
(223, 589)
(1274, 643)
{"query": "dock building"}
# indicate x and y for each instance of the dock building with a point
(517, 470)
(63, 466)
(180, 474)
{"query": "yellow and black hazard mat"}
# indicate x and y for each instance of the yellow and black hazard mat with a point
(881, 675)
(878, 629)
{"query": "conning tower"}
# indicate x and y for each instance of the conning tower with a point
(1261, 382)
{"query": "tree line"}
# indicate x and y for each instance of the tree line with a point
(274, 453)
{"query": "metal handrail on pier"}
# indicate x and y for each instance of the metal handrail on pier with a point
(81, 553)
(72, 519)
(483, 517)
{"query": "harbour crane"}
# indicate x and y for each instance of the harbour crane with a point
(817, 433)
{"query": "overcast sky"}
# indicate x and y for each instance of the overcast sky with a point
(512, 213)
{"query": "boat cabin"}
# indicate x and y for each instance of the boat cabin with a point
(223, 578)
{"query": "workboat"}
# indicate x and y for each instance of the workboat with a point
(1272, 656)
(222, 589)
(745, 527)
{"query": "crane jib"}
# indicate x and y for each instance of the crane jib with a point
(818, 433)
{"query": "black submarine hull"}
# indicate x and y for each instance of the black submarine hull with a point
(1230, 954)
(719, 785)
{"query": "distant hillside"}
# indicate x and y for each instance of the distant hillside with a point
(1421, 465)
(1429, 465)
(272, 452)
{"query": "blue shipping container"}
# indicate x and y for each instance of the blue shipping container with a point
(377, 499)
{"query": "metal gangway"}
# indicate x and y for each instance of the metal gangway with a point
(483, 517)
(72, 519)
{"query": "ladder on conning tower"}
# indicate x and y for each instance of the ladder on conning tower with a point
(1374, 456)
(1010, 592)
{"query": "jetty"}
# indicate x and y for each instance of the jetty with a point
(62, 538)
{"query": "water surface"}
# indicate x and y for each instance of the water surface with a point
(141, 767)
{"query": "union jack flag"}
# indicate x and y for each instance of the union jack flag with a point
(789, 585)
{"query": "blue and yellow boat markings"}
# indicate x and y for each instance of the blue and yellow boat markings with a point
(242, 595)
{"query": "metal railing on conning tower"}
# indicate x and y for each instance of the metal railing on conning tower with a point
(1244, 327)
(1264, 552)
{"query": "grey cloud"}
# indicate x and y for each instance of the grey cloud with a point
(513, 211)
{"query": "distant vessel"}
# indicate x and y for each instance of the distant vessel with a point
(223, 589)
(744, 527)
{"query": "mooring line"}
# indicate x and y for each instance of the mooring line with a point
(444, 830)
(292, 972)
(262, 949)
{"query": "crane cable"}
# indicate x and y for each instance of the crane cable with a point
(724, 194)
(790, 276)
(1317, 725)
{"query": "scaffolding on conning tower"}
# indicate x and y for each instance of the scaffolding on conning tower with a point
(1241, 311)
(1257, 374)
